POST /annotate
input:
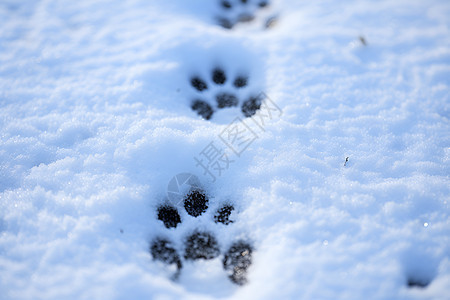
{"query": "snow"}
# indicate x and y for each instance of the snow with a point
(95, 121)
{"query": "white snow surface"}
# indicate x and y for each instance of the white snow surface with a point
(95, 121)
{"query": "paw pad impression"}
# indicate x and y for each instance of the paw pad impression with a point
(237, 260)
(223, 215)
(196, 203)
(222, 99)
(162, 250)
(233, 12)
(200, 244)
(169, 215)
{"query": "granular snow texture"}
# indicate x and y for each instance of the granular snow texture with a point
(343, 196)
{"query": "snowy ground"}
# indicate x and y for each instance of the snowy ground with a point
(95, 121)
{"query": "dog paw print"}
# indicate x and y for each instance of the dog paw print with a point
(222, 99)
(200, 244)
(233, 12)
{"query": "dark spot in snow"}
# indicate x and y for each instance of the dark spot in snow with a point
(420, 283)
(162, 250)
(218, 76)
(198, 83)
(346, 161)
(237, 260)
(223, 215)
(226, 4)
(363, 40)
(203, 109)
(169, 215)
(196, 203)
(201, 245)
(250, 106)
(226, 100)
(240, 81)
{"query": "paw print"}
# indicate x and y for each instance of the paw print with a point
(200, 244)
(222, 99)
(233, 12)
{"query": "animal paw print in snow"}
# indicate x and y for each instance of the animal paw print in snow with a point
(201, 244)
(241, 11)
(222, 99)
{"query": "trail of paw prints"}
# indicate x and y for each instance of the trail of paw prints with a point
(233, 12)
(222, 99)
(200, 244)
